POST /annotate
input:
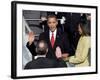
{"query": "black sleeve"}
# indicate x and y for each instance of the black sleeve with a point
(66, 44)
(31, 48)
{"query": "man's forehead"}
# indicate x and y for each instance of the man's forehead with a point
(52, 19)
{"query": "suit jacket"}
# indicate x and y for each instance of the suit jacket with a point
(43, 62)
(82, 52)
(61, 41)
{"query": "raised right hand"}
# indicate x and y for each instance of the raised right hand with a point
(31, 37)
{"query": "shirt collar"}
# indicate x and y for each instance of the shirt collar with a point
(53, 32)
(39, 56)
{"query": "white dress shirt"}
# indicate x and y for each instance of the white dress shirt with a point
(54, 33)
(39, 56)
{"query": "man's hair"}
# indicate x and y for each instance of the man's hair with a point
(41, 50)
(52, 16)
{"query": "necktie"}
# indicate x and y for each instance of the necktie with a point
(52, 39)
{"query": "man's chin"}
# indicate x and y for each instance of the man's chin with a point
(53, 30)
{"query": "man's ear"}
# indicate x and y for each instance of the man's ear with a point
(57, 22)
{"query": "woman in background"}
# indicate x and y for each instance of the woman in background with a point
(82, 52)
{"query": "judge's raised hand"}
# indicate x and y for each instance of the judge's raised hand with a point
(31, 37)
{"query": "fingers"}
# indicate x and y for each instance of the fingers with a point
(64, 55)
(31, 37)
(31, 34)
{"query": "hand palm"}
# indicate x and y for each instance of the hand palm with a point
(31, 37)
